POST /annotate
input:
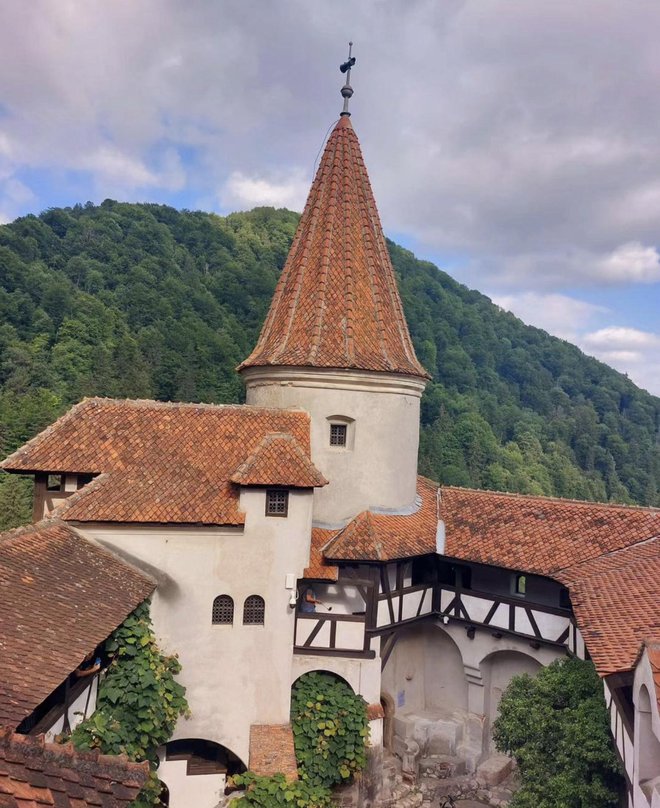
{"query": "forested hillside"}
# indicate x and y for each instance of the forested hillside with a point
(145, 301)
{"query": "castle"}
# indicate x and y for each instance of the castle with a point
(293, 534)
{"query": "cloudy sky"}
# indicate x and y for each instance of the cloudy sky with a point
(515, 144)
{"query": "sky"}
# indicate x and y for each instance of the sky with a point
(514, 144)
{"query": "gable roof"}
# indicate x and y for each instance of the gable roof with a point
(336, 304)
(158, 462)
(279, 460)
(382, 537)
(34, 773)
(60, 596)
(616, 601)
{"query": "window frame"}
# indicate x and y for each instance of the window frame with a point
(516, 580)
(272, 492)
(258, 603)
(228, 602)
(342, 430)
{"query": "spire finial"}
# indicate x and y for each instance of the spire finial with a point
(347, 90)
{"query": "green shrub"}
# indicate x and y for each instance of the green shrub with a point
(557, 728)
(269, 792)
(139, 700)
(330, 729)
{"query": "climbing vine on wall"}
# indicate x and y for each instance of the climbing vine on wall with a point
(330, 732)
(330, 729)
(139, 700)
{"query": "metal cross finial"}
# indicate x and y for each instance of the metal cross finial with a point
(347, 90)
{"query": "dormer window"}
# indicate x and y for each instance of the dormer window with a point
(277, 502)
(338, 434)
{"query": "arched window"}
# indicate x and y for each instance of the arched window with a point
(223, 610)
(254, 611)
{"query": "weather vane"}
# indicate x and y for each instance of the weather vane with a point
(347, 90)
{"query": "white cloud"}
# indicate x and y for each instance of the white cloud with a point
(560, 315)
(241, 191)
(14, 195)
(629, 350)
(630, 262)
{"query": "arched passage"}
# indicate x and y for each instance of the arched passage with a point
(195, 770)
(497, 670)
(327, 673)
(389, 708)
(647, 746)
(425, 671)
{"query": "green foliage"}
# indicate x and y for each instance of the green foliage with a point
(146, 301)
(139, 701)
(330, 729)
(330, 732)
(557, 728)
(269, 792)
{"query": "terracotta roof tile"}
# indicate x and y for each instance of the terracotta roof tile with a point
(319, 568)
(272, 750)
(60, 596)
(158, 462)
(381, 537)
(279, 460)
(33, 773)
(336, 304)
(616, 600)
(538, 534)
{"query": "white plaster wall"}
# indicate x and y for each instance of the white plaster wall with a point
(363, 675)
(380, 470)
(197, 790)
(425, 671)
(235, 675)
(647, 737)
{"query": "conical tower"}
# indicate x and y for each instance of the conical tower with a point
(336, 343)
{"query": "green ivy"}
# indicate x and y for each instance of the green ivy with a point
(556, 726)
(139, 700)
(330, 732)
(269, 792)
(330, 729)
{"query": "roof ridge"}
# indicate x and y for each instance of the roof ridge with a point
(547, 498)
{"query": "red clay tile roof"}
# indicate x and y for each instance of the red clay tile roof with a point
(34, 774)
(279, 460)
(381, 537)
(159, 462)
(336, 304)
(60, 596)
(319, 568)
(538, 534)
(616, 601)
(272, 750)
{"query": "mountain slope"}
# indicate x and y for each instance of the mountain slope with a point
(145, 301)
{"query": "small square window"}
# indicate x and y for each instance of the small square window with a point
(277, 502)
(338, 434)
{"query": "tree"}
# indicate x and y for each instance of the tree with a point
(556, 727)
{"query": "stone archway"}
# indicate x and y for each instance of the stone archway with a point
(195, 771)
(497, 670)
(389, 708)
